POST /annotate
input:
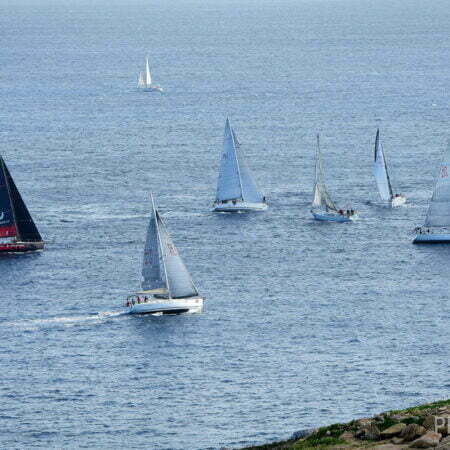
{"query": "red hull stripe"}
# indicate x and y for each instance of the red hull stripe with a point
(8, 231)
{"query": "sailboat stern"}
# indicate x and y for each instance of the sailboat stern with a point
(20, 247)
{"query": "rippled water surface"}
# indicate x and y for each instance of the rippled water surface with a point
(304, 323)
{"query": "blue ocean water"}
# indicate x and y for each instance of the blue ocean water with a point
(304, 323)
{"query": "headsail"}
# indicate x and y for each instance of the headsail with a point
(321, 197)
(229, 184)
(26, 228)
(438, 214)
(7, 221)
(179, 280)
(380, 171)
(250, 192)
(148, 77)
(152, 278)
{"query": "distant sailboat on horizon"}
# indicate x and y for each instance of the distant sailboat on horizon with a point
(145, 80)
(236, 190)
(323, 207)
(382, 178)
(436, 229)
(167, 286)
(18, 232)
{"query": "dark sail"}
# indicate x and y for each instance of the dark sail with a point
(7, 224)
(26, 229)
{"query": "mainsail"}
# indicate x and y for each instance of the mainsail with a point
(148, 77)
(18, 215)
(162, 266)
(235, 181)
(321, 197)
(438, 214)
(380, 171)
(141, 82)
(151, 265)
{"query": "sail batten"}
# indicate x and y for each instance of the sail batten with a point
(321, 197)
(380, 171)
(438, 214)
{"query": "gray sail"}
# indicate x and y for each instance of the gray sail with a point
(439, 210)
(321, 197)
(229, 183)
(152, 278)
(179, 282)
(250, 192)
(380, 171)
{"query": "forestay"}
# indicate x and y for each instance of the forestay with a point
(179, 281)
(380, 171)
(439, 210)
(321, 197)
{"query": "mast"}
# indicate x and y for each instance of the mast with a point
(156, 215)
(235, 155)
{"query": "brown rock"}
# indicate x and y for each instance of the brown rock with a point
(392, 431)
(397, 440)
(412, 431)
(429, 422)
(430, 439)
(369, 432)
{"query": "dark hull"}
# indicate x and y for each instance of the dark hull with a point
(431, 242)
(21, 247)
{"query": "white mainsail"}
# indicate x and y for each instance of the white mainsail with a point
(438, 214)
(141, 82)
(148, 77)
(321, 197)
(380, 171)
(235, 181)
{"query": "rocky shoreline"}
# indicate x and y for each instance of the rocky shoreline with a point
(425, 426)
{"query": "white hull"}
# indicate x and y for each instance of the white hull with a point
(398, 201)
(432, 238)
(156, 306)
(239, 207)
(329, 217)
(151, 88)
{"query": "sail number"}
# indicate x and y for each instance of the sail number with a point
(444, 172)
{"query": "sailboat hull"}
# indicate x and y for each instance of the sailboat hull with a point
(432, 238)
(151, 88)
(239, 207)
(327, 217)
(21, 247)
(167, 306)
(398, 201)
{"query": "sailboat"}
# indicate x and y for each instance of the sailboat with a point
(322, 207)
(18, 232)
(167, 287)
(236, 191)
(436, 229)
(382, 176)
(145, 80)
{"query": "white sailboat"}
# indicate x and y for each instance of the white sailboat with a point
(167, 287)
(145, 80)
(322, 207)
(236, 191)
(382, 176)
(436, 229)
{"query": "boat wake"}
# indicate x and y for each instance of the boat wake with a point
(67, 321)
